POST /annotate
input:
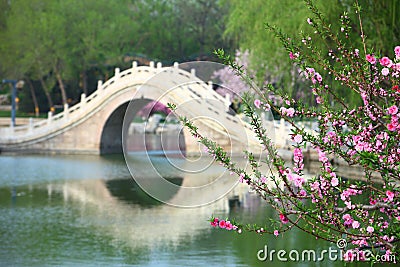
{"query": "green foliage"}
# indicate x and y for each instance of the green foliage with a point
(247, 20)
(65, 46)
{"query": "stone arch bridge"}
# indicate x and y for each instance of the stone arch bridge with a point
(95, 124)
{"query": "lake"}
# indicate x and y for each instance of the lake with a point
(59, 210)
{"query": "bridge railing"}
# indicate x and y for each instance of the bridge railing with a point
(196, 89)
(53, 122)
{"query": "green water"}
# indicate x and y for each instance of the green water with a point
(87, 211)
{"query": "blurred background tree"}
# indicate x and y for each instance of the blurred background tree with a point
(62, 47)
(245, 23)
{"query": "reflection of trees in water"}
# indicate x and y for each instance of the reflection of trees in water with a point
(128, 191)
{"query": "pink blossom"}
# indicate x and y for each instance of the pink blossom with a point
(370, 229)
(303, 193)
(276, 232)
(298, 180)
(228, 226)
(397, 51)
(364, 97)
(318, 77)
(390, 195)
(348, 221)
(297, 155)
(346, 217)
(385, 71)
(349, 192)
(386, 62)
(349, 256)
(355, 224)
(334, 181)
(257, 103)
(371, 58)
(214, 223)
(310, 71)
(356, 138)
(241, 177)
(391, 127)
(222, 224)
(263, 179)
(288, 112)
(293, 56)
(298, 138)
(309, 21)
(283, 218)
(392, 110)
(322, 156)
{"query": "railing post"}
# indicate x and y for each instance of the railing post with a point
(116, 73)
(83, 99)
(151, 64)
(30, 125)
(99, 84)
(159, 65)
(227, 102)
(193, 72)
(49, 117)
(210, 85)
(66, 111)
(134, 64)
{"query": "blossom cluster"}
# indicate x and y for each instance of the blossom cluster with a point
(328, 206)
(224, 224)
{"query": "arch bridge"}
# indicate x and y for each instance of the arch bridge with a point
(95, 125)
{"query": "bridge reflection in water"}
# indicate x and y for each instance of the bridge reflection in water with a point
(87, 210)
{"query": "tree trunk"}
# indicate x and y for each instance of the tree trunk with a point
(48, 96)
(35, 103)
(62, 88)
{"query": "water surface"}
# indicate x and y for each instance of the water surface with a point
(88, 211)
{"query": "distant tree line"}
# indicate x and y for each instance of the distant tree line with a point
(60, 48)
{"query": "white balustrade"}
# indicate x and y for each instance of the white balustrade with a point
(49, 117)
(227, 101)
(83, 99)
(66, 111)
(99, 84)
(116, 73)
(88, 103)
(30, 125)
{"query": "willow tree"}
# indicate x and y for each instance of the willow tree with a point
(246, 23)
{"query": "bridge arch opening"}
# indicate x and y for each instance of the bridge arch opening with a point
(149, 128)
